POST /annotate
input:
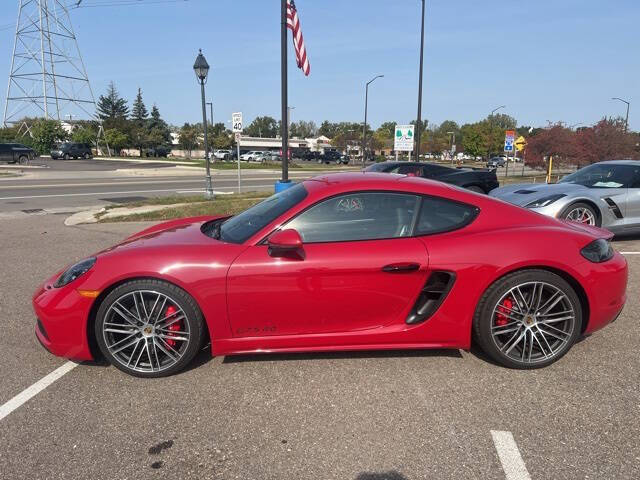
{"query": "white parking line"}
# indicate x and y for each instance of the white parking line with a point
(509, 455)
(34, 389)
(630, 253)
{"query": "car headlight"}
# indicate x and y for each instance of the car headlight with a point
(598, 251)
(73, 272)
(544, 201)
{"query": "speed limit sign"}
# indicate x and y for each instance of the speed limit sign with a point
(236, 120)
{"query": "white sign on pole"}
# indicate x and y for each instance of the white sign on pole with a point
(236, 120)
(403, 138)
(238, 136)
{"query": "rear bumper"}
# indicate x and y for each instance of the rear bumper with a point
(61, 321)
(606, 288)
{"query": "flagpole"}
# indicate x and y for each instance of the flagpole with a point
(283, 65)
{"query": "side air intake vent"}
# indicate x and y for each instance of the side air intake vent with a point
(613, 206)
(525, 192)
(431, 297)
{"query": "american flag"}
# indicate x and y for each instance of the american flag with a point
(293, 22)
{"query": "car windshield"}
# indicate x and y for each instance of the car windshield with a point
(602, 175)
(240, 228)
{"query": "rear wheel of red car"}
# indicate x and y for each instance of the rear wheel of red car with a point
(581, 213)
(528, 319)
(149, 328)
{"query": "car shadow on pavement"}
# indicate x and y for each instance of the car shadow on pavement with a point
(347, 355)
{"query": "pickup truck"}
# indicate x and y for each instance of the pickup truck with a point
(16, 153)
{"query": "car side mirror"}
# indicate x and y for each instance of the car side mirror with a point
(286, 243)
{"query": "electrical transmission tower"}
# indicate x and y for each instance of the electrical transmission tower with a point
(47, 77)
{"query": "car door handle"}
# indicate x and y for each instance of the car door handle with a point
(401, 267)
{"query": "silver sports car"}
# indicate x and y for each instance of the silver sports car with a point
(605, 194)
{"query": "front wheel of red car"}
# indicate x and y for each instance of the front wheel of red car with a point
(528, 319)
(149, 328)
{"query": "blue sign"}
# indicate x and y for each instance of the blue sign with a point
(508, 147)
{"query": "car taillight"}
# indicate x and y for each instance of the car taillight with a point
(598, 251)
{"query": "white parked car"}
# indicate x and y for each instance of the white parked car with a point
(252, 155)
(222, 154)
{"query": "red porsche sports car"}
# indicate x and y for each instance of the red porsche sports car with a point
(354, 261)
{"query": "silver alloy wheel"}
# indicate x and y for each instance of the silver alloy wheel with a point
(146, 331)
(581, 215)
(533, 322)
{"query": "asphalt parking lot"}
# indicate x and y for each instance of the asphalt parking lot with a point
(365, 416)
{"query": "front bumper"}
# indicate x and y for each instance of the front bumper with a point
(61, 325)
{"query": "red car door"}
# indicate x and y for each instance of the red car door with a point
(337, 287)
(358, 270)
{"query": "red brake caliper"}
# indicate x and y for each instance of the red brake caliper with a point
(503, 309)
(175, 327)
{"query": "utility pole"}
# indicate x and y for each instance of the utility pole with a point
(419, 121)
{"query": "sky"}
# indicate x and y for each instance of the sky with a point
(546, 60)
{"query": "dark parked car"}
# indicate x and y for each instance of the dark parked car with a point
(474, 179)
(311, 156)
(16, 153)
(160, 151)
(333, 156)
(72, 150)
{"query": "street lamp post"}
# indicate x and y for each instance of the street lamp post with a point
(211, 112)
(364, 126)
(491, 124)
(495, 110)
(201, 69)
(626, 122)
(452, 140)
(419, 121)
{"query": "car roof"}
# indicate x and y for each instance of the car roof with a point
(620, 162)
(335, 183)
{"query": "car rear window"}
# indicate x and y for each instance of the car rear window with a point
(438, 215)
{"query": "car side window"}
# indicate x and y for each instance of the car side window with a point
(636, 178)
(438, 215)
(358, 216)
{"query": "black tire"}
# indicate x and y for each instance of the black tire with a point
(192, 317)
(579, 205)
(65, 156)
(485, 316)
(87, 156)
(475, 188)
(23, 160)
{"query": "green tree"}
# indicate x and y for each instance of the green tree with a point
(8, 134)
(188, 137)
(222, 140)
(86, 133)
(111, 105)
(116, 139)
(45, 134)
(328, 129)
(158, 131)
(262, 127)
(303, 129)
(139, 111)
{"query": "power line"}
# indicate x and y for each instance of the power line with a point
(119, 3)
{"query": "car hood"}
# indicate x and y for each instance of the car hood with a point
(174, 233)
(525, 193)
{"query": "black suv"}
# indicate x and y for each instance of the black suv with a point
(72, 150)
(16, 153)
